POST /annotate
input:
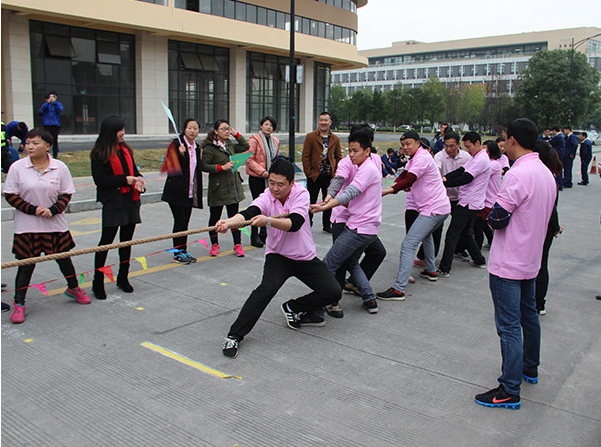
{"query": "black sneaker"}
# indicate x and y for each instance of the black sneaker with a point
(391, 295)
(180, 257)
(497, 398)
(327, 230)
(309, 319)
(334, 310)
(371, 306)
(351, 288)
(5, 307)
(442, 274)
(230, 348)
(432, 276)
(292, 318)
(531, 377)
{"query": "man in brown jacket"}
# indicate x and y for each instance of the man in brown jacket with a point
(321, 154)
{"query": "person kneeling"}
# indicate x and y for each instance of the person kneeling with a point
(290, 251)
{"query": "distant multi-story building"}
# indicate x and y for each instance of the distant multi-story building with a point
(496, 61)
(206, 59)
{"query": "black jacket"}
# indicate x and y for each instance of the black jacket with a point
(176, 187)
(107, 183)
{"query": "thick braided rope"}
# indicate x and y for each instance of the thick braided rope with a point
(85, 251)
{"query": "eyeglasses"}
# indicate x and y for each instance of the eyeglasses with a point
(224, 129)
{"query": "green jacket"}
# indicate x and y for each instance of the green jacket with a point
(225, 188)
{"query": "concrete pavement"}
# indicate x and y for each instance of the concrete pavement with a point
(144, 368)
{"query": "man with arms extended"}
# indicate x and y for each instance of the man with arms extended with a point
(290, 251)
(519, 217)
(321, 154)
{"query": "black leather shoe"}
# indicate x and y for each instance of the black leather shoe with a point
(124, 284)
(256, 242)
(98, 289)
(327, 230)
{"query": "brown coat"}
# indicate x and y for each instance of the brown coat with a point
(312, 150)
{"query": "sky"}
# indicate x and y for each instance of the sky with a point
(382, 22)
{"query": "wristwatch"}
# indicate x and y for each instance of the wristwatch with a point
(268, 225)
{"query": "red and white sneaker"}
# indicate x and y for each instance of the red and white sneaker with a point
(19, 314)
(79, 295)
(214, 250)
(239, 250)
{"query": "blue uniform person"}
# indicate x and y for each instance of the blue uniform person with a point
(558, 142)
(586, 153)
(568, 156)
(51, 119)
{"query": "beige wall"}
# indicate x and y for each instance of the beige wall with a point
(306, 118)
(237, 84)
(17, 97)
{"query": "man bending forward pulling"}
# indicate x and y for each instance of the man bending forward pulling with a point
(290, 251)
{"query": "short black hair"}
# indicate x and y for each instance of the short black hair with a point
(555, 128)
(493, 149)
(363, 127)
(546, 128)
(325, 113)
(282, 167)
(452, 135)
(361, 137)
(52, 92)
(500, 140)
(524, 131)
(40, 132)
(568, 127)
(473, 137)
(390, 150)
(272, 120)
(584, 134)
(425, 143)
(22, 125)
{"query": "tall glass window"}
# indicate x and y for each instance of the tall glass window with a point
(267, 90)
(198, 83)
(321, 88)
(92, 71)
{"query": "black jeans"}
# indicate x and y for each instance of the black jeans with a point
(321, 184)
(107, 237)
(460, 231)
(584, 162)
(181, 219)
(54, 130)
(24, 274)
(276, 271)
(481, 229)
(257, 186)
(215, 215)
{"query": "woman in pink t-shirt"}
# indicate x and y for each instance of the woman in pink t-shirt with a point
(40, 188)
(481, 227)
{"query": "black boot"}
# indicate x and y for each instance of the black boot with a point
(255, 240)
(122, 281)
(98, 286)
(263, 234)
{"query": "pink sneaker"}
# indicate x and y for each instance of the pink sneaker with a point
(214, 250)
(79, 295)
(19, 314)
(239, 250)
(419, 263)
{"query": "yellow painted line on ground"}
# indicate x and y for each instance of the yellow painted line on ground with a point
(81, 233)
(88, 221)
(158, 268)
(187, 361)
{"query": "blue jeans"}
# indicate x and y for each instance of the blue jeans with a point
(516, 314)
(347, 250)
(420, 232)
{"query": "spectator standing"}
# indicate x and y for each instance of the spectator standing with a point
(571, 146)
(439, 145)
(586, 154)
(546, 136)
(184, 191)
(520, 217)
(51, 118)
(40, 189)
(558, 142)
(264, 148)
(118, 187)
(225, 185)
(321, 154)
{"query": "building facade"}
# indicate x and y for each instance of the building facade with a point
(495, 61)
(205, 59)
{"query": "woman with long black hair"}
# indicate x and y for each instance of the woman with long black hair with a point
(118, 187)
(183, 191)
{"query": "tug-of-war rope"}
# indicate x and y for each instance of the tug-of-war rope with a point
(85, 251)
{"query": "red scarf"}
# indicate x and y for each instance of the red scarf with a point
(118, 170)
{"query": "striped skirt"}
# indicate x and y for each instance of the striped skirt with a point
(29, 245)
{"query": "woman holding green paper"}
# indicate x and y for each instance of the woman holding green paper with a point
(225, 183)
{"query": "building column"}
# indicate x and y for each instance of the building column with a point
(237, 93)
(307, 120)
(17, 93)
(152, 84)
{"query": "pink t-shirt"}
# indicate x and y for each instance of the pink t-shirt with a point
(365, 210)
(528, 192)
(473, 194)
(504, 161)
(297, 245)
(42, 190)
(409, 202)
(494, 183)
(447, 164)
(346, 169)
(428, 192)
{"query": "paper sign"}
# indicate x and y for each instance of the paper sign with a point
(240, 159)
